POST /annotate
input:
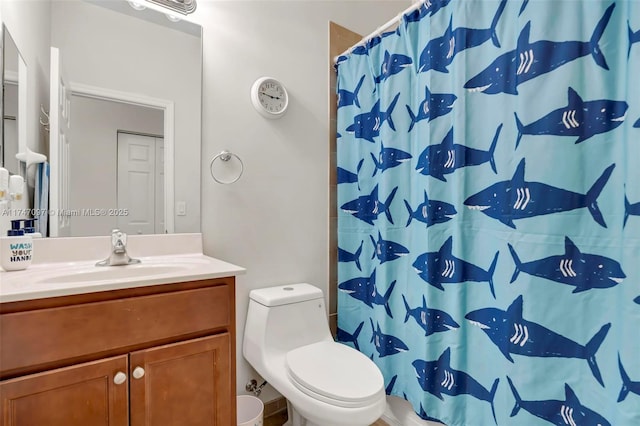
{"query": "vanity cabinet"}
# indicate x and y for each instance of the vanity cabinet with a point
(160, 355)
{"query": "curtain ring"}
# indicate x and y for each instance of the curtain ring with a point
(226, 156)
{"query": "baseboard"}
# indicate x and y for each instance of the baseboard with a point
(274, 406)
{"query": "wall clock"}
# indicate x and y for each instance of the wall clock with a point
(269, 97)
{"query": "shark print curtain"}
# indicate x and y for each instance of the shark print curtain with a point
(488, 210)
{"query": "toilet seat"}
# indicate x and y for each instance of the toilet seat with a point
(335, 373)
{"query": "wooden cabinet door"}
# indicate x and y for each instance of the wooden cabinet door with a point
(187, 383)
(81, 395)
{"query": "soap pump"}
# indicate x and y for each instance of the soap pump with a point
(16, 248)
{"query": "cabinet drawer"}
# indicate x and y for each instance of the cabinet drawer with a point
(49, 337)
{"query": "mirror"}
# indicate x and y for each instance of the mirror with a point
(117, 72)
(12, 63)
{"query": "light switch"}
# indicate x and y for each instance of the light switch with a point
(181, 208)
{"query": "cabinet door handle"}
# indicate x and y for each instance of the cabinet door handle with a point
(138, 373)
(119, 378)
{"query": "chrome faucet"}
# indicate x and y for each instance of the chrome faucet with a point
(118, 254)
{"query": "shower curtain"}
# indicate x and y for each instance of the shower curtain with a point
(488, 160)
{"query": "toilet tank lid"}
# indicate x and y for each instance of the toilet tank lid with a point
(285, 294)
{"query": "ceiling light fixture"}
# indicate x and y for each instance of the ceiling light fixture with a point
(183, 7)
(136, 5)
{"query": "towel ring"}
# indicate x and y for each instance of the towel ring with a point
(225, 156)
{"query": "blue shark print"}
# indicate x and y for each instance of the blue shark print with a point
(346, 337)
(431, 320)
(364, 49)
(523, 7)
(392, 65)
(627, 384)
(634, 37)
(345, 256)
(389, 158)
(345, 176)
(391, 384)
(429, 7)
(637, 124)
(512, 334)
(637, 300)
(439, 52)
(346, 98)
(531, 60)
(376, 40)
(367, 125)
(360, 50)
(578, 118)
(437, 378)
(446, 157)
(364, 289)
(386, 344)
(387, 251)
(569, 412)
(424, 416)
(433, 106)
(514, 199)
(442, 267)
(339, 60)
(431, 212)
(582, 270)
(368, 207)
(630, 210)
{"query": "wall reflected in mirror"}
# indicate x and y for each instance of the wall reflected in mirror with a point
(126, 142)
(10, 82)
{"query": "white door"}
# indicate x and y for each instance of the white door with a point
(140, 184)
(159, 210)
(59, 147)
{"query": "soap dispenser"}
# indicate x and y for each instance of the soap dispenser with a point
(16, 248)
(29, 228)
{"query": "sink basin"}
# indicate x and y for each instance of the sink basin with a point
(112, 273)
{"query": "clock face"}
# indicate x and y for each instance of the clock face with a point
(270, 97)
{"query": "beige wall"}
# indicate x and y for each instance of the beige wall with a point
(274, 220)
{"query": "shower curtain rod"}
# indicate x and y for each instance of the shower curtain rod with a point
(383, 27)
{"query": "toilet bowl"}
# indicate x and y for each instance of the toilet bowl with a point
(288, 342)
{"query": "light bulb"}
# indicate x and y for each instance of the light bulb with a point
(136, 5)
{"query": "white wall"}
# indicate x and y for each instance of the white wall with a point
(29, 25)
(107, 49)
(94, 157)
(274, 220)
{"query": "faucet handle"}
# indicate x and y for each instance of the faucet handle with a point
(118, 238)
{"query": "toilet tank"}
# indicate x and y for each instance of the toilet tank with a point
(283, 318)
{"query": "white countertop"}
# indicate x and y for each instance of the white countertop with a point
(166, 262)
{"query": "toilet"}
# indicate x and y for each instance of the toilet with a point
(288, 342)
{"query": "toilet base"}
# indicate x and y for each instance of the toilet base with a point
(295, 419)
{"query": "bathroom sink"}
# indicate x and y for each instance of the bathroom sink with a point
(111, 273)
